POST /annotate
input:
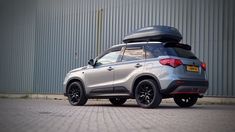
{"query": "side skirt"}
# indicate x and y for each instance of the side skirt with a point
(108, 95)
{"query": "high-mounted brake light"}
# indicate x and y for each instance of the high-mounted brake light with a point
(171, 62)
(203, 65)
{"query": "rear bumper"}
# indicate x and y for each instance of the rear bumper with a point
(186, 87)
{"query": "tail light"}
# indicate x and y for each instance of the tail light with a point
(171, 62)
(203, 65)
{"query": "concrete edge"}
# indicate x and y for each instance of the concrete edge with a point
(34, 96)
(205, 100)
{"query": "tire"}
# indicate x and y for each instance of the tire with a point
(117, 101)
(147, 94)
(76, 94)
(185, 100)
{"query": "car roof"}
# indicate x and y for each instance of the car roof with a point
(135, 43)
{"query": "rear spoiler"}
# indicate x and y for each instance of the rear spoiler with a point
(179, 45)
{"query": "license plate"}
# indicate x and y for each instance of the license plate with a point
(192, 68)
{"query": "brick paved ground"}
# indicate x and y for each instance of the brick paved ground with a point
(31, 115)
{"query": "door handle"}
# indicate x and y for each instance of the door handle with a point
(138, 65)
(110, 69)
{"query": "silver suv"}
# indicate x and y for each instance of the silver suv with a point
(145, 71)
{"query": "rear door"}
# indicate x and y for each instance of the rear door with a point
(131, 63)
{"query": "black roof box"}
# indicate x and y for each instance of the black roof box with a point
(154, 33)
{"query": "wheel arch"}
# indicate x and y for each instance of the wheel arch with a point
(75, 79)
(142, 77)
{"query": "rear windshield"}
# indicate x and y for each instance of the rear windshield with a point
(156, 50)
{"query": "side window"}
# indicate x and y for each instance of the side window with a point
(133, 53)
(154, 51)
(109, 57)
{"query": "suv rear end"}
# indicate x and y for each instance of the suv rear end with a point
(180, 73)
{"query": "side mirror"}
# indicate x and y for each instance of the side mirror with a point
(91, 62)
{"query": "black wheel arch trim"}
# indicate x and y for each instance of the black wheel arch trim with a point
(72, 80)
(142, 75)
(175, 84)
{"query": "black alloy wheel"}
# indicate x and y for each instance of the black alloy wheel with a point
(185, 100)
(147, 94)
(76, 94)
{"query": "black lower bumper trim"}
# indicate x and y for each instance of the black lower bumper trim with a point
(175, 84)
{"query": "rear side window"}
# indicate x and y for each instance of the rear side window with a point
(133, 53)
(156, 50)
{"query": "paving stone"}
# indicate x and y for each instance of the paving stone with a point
(35, 115)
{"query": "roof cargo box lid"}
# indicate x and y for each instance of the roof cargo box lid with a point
(154, 33)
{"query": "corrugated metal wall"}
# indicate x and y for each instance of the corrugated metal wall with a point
(17, 41)
(41, 40)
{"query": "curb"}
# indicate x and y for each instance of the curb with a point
(34, 96)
